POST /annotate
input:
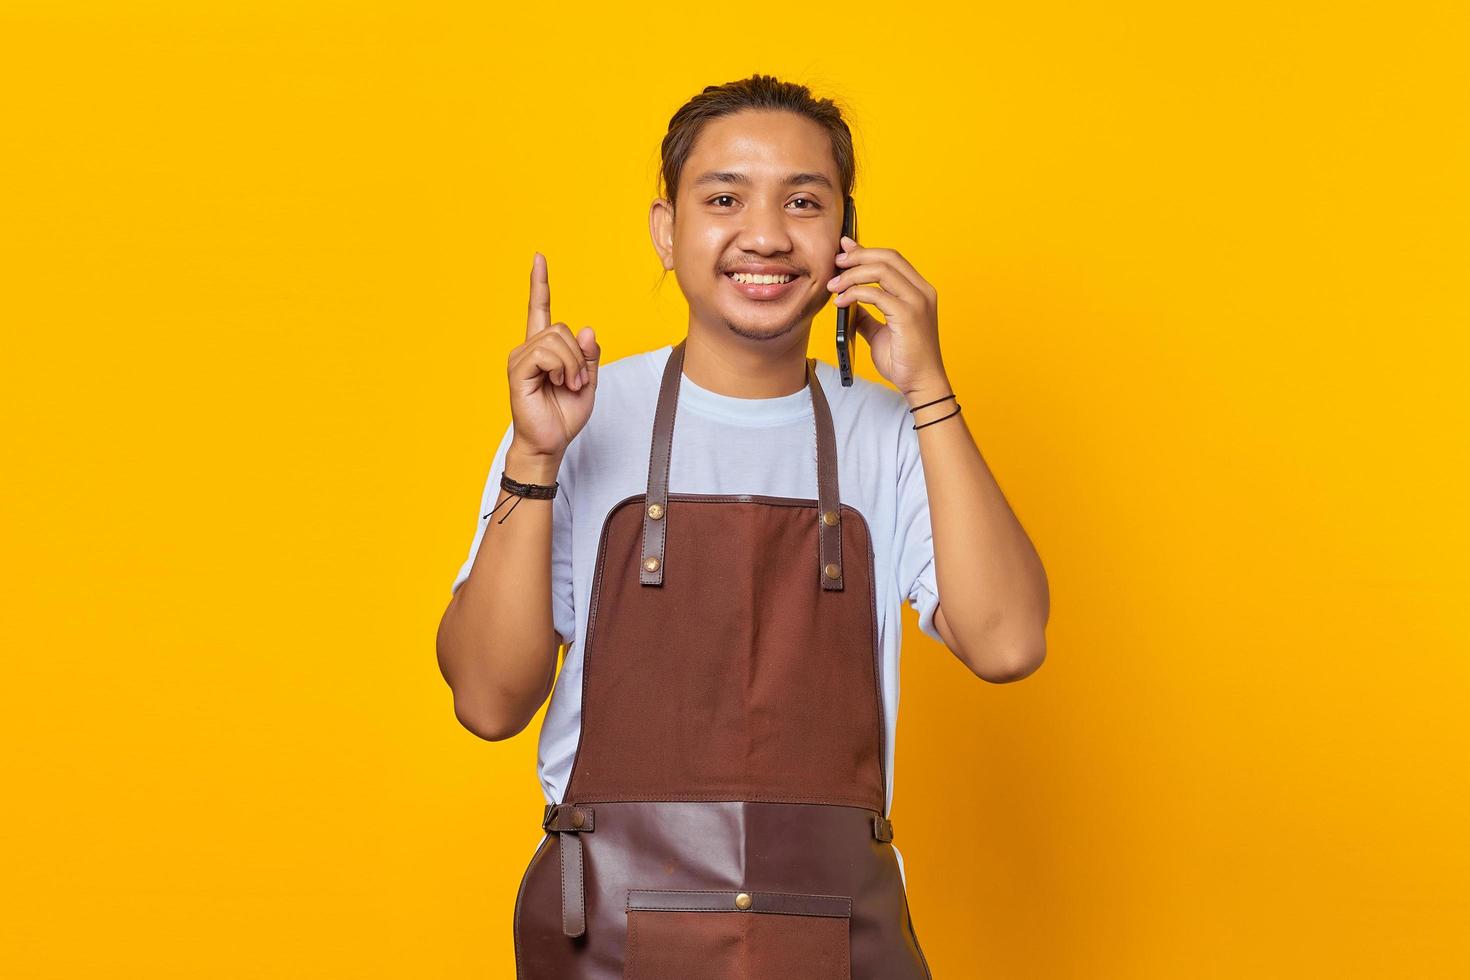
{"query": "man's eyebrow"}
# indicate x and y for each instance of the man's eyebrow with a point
(734, 177)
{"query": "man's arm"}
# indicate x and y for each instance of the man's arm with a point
(496, 644)
(983, 559)
(498, 639)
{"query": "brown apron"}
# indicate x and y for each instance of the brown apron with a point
(724, 816)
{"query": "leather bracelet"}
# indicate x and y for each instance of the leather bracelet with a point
(942, 417)
(536, 491)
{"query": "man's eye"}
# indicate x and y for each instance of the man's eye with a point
(727, 197)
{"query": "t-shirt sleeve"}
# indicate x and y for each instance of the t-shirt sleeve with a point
(563, 609)
(914, 538)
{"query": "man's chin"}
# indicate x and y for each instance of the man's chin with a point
(759, 331)
(758, 321)
(763, 326)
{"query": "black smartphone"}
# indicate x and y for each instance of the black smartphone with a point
(844, 340)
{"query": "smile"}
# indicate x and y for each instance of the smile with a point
(761, 287)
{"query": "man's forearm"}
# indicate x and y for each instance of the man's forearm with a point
(496, 642)
(992, 587)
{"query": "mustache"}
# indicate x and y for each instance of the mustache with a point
(783, 268)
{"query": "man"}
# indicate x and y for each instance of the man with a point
(728, 590)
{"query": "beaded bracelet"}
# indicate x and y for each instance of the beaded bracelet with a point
(536, 491)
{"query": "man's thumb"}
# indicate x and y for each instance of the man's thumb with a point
(591, 351)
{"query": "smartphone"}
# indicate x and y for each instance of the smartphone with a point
(844, 340)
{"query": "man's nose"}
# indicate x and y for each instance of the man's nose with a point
(765, 230)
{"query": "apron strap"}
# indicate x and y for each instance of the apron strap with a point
(656, 500)
(568, 822)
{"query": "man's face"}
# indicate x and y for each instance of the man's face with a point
(759, 194)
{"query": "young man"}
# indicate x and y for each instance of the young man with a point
(717, 756)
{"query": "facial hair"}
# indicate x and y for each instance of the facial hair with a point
(802, 316)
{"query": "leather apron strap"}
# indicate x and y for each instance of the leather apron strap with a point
(569, 822)
(656, 501)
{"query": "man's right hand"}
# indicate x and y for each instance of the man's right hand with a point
(553, 377)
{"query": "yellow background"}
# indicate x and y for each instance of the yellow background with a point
(1203, 298)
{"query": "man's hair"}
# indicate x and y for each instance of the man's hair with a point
(755, 92)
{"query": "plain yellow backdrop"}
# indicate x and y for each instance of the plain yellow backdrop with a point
(1202, 278)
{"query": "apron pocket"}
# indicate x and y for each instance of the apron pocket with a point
(732, 935)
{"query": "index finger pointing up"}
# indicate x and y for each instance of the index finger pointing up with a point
(538, 310)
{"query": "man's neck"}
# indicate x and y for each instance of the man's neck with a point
(764, 369)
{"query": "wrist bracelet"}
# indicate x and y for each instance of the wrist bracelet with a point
(942, 417)
(536, 491)
(934, 402)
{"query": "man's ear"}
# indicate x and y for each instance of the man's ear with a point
(661, 230)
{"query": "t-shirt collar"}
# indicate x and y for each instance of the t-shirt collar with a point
(744, 411)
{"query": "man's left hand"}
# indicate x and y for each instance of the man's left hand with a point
(905, 347)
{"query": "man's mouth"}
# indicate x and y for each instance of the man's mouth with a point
(761, 286)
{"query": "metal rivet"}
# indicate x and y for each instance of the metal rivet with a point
(829, 518)
(742, 901)
(831, 571)
(655, 511)
(578, 818)
(651, 564)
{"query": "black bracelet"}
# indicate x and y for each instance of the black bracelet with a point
(536, 491)
(934, 402)
(942, 417)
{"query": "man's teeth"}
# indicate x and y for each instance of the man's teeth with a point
(751, 278)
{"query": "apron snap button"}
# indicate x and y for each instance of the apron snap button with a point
(578, 818)
(829, 518)
(831, 570)
(742, 901)
(651, 564)
(655, 511)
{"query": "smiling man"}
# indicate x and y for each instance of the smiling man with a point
(717, 755)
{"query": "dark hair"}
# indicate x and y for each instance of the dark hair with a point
(756, 92)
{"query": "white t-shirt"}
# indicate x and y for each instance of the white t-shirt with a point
(726, 445)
